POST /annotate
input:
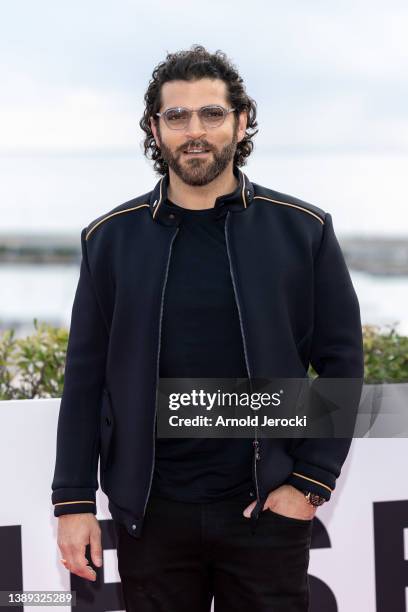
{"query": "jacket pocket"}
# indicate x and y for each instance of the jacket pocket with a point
(106, 428)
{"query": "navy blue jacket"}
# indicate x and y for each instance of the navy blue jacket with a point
(296, 304)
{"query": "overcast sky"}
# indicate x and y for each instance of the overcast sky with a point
(329, 79)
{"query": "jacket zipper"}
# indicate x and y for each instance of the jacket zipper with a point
(255, 442)
(157, 368)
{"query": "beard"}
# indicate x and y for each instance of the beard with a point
(200, 171)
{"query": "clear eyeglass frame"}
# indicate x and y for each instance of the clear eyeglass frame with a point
(190, 111)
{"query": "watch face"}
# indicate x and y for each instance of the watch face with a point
(317, 500)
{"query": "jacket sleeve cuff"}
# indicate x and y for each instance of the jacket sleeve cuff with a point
(73, 501)
(308, 477)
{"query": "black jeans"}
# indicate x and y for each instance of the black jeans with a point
(189, 553)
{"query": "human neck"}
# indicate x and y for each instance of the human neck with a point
(200, 197)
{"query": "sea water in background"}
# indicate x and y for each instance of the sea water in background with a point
(47, 292)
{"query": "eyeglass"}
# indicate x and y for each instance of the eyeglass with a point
(178, 118)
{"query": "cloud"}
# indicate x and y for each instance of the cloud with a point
(74, 120)
(326, 76)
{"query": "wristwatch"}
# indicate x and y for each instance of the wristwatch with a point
(314, 499)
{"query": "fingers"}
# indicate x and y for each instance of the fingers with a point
(248, 510)
(96, 547)
(74, 560)
(81, 568)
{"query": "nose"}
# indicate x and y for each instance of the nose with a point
(195, 128)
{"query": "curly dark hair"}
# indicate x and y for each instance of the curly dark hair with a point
(189, 65)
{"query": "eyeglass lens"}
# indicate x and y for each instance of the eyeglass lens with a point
(178, 118)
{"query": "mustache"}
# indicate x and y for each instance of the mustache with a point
(196, 143)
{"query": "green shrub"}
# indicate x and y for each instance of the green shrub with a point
(33, 367)
(385, 355)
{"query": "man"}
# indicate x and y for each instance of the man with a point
(207, 275)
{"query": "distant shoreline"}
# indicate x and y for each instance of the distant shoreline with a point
(373, 255)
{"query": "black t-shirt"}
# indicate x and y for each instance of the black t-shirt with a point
(201, 338)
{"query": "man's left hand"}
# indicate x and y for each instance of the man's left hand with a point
(288, 501)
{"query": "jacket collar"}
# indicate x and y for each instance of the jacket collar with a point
(237, 200)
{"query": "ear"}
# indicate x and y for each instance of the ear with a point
(153, 127)
(242, 125)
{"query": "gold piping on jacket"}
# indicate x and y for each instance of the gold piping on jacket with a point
(160, 199)
(81, 501)
(311, 480)
(292, 206)
(118, 212)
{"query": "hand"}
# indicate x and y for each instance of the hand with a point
(288, 501)
(75, 531)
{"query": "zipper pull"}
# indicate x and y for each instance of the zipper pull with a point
(256, 447)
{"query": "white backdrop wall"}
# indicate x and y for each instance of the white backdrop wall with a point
(359, 555)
